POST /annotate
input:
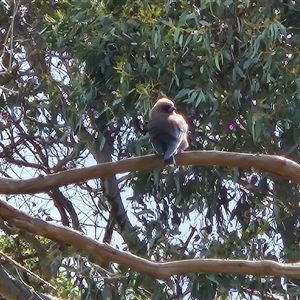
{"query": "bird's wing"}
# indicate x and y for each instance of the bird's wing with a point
(157, 146)
(167, 134)
(179, 126)
(178, 132)
(157, 129)
(172, 149)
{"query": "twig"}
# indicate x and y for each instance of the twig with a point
(27, 271)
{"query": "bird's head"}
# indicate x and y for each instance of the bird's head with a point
(163, 106)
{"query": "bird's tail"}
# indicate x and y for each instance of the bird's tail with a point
(170, 161)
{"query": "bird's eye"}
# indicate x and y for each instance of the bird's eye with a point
(166, 108)
(169, 108)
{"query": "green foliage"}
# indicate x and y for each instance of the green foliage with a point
(95, 67)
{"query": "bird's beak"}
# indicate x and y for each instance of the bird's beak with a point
(172, 108)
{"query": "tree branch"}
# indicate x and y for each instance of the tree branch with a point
(270, 163)
(13, 289)
(111, 192)
(157, 270)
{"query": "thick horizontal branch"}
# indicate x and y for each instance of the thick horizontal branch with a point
(270, 163)
(163, 271)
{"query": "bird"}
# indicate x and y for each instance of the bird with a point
(167, 129)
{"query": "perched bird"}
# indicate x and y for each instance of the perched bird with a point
(167, 129)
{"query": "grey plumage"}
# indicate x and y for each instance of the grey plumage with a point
(167, 129)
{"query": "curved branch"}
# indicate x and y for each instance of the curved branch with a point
(271, 163)
(63, 204)
(104, 252)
